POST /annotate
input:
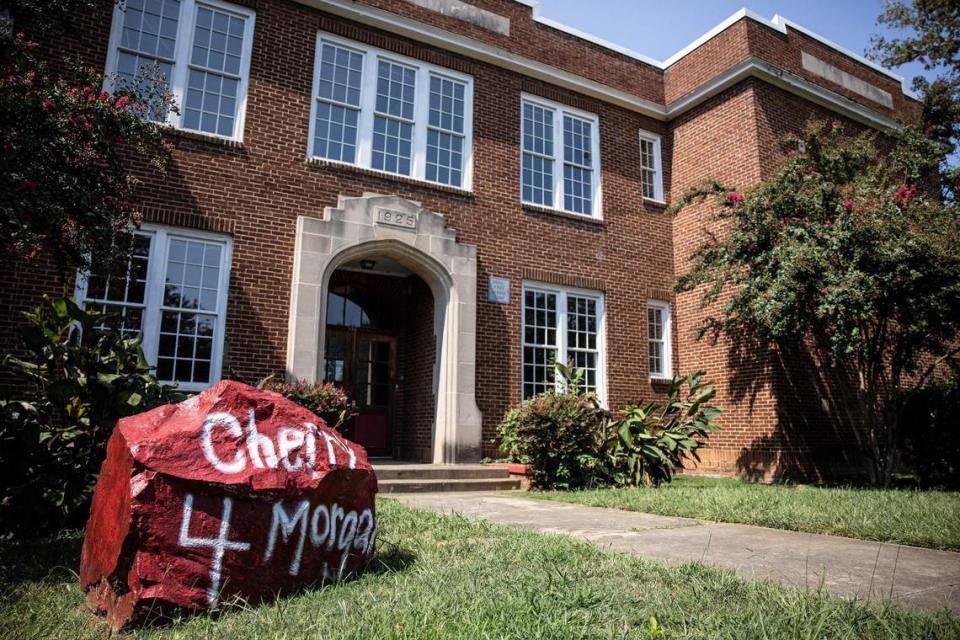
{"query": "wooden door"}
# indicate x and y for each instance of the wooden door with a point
(363, 363)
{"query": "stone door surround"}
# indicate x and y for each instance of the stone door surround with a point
(376, 225)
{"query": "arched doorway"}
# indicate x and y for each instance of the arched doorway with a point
(402, 235)
(379, 347)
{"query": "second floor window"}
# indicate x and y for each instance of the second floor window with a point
(386, 112)
(201, 49)
(651, 173)
(560, 164)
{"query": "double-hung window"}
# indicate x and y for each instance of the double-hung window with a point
(202, 50)
(651, 171)
(561, 325)
(173, 293)
(658, 340)
(381, 111)
(560, 163)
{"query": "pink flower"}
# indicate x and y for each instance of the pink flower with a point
(121, 102)
(836, 124)
(903, 195)
(47, 105)
(792, 153)
(828, 223)
(735, 197)
(848, 204)
(825, 291)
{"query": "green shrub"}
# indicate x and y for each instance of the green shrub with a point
(557, 434)
(649, 443)
(325, 399)
(78, 377)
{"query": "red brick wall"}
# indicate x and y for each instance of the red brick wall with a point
(419, 353)
(774, 423)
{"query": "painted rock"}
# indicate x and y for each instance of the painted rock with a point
(234, 493)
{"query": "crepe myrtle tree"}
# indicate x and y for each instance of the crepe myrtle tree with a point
(68, 148)
(843, 253)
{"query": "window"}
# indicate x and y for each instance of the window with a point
(393, 114)
(658, 339)
(651, 175)
(173, 293)
(202, 49)
(560, 325)
(560, 164)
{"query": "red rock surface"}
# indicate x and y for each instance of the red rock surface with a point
(236, 492)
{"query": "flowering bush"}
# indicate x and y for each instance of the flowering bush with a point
(324, 399)
(841, 255)
(66, 152)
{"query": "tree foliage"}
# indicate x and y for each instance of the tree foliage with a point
(70, 151)
(843, 255)
(931, 36)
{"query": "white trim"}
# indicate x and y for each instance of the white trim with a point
(561, 292)
(777, 23)
(654, 139)
(757, 68)
(153, 295)
(421, 110)
(667, 340)
(186, 27)
(559, 110)
(781, 24)
(407, 27)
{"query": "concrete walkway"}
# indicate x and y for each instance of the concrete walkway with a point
(921, 578)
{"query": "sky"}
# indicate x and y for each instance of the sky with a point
(660, 28)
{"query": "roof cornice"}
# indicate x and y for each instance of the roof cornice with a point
(482, 51)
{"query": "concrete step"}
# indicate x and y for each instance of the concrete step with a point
(394, 471)
(417, 485)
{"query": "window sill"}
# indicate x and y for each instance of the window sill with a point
(655, 202)
(660, 380)
(579, 217)
(417, 182)
(200, 136)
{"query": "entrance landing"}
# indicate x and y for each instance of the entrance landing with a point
(917, 578)
(395, 476)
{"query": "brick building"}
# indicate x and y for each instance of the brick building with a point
(428, 200)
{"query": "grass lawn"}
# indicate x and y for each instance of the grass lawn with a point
(921, 518)
(438, 576)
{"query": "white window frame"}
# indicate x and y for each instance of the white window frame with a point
(664, 307)
(186, 24)
(654, 139)
(421, 110)
(559, 110)
(562, 350)
(153, 296)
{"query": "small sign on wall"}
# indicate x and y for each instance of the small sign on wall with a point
(498, 290)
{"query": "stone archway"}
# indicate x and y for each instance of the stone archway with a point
(377, 225)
